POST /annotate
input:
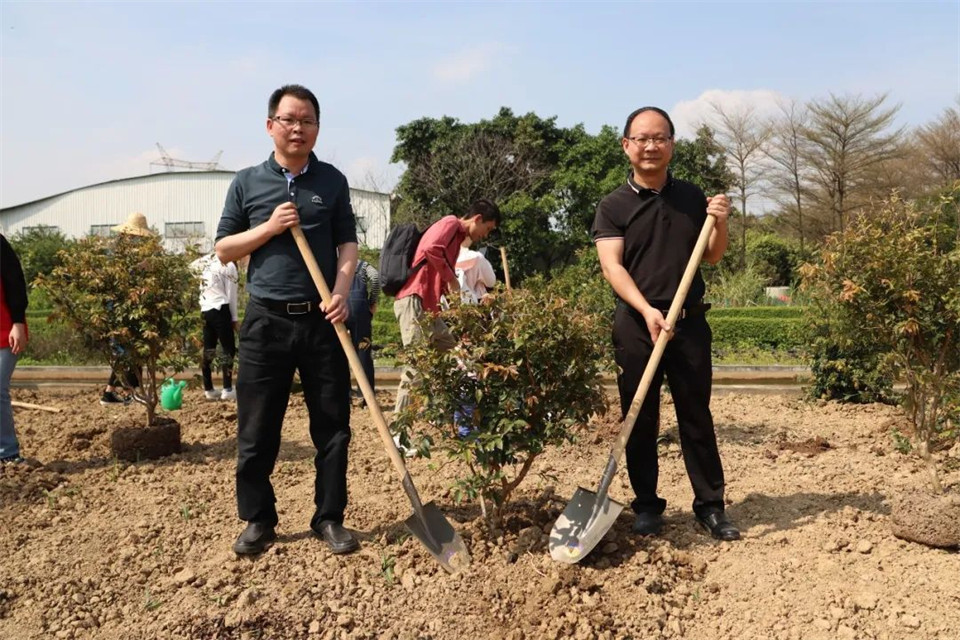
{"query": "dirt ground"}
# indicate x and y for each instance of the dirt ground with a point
(95, 548)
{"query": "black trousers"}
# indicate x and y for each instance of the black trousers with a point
(688, 368)
(274, 344)
(129, 379)
(218, 327)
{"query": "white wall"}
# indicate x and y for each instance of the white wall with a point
(167, 198)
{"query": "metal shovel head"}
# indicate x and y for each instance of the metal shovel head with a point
(439, 537)
(582, 525)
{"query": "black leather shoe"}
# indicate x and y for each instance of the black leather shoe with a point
(254, 539)
(648, 524)
(719, 526)
(337, 538)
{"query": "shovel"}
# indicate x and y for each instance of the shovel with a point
(506, 269)
(589, 515)
(427, 524)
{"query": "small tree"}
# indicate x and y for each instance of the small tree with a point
(525, 374)
(132, 301)
(894, 276)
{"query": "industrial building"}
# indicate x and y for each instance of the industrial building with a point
(184, 207)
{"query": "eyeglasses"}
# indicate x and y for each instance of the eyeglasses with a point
(289, 123)
(657, 142)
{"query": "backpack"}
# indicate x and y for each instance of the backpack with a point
(396, 257)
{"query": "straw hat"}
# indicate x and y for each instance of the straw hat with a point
(136, 225)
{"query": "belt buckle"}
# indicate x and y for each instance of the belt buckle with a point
(293, 308)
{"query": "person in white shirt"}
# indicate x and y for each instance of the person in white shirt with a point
(474, 273)
(218, 306)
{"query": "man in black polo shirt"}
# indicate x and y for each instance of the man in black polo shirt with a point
(286, 327)
(645, 232)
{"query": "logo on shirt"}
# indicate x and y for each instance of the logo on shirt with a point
(316, 200)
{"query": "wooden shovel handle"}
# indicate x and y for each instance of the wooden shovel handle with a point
(352, 357)
(39, 407)
(506, 268)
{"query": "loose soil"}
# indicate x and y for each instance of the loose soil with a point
(94, 547)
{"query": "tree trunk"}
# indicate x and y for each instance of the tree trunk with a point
(936, 485)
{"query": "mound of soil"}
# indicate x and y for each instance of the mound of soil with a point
(920, 516)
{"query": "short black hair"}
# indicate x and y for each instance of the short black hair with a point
(626, 127)
(486, 209)
(297, 91)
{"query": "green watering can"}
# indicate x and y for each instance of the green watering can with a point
(171, 394)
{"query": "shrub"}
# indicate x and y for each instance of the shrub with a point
(740, 288)
(38, 248)
(56, 343)
(525, 374)
(891, 283)
(763, 313)
(775, 258)
(131, 301)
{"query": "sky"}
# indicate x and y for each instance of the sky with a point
(88, 89)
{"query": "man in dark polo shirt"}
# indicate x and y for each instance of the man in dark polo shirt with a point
(286, 327)
(645, 232)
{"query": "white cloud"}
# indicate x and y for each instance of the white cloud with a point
(688, 115)
(469, 62)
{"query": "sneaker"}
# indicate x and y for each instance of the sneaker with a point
(112, 398)
(212, 394)
(14, 459)
(229, 394)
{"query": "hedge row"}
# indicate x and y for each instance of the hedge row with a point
(781, 311)
(733, 332)
(766, 328)
(53, 343)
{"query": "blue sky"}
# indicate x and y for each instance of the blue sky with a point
(87, 89)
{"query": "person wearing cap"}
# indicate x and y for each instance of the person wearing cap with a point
(286, 327)
(13, 340)
(134, 226)
(645, 231)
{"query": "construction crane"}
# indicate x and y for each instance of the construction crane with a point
(172, 164)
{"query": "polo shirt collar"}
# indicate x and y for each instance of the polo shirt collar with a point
(637, 189)
(272, 161)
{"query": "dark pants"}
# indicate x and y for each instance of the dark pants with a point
(360, 325)
(129, 380)
(273, 345)
(218, 327)
(687, 365)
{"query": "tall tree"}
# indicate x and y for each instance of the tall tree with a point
(939, 146)
(785, 152)
(742, 133)
(702, 162)
(547, 179)
(849, 138)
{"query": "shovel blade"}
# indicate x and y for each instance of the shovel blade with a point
(582, 525)
(439, 537)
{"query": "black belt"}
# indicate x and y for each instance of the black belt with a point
(697, 308)
(290, 308)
